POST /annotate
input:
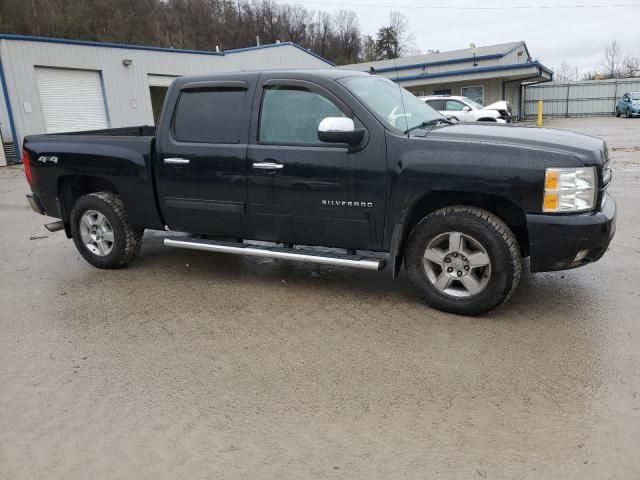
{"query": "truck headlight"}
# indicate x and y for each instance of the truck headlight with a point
(569, 189)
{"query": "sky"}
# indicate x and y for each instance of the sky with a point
(554, 30)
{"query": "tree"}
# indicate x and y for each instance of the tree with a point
(610, 64)
(630, 66)
(369, 53)
(347, 37)
(566, 73)
(393, 40)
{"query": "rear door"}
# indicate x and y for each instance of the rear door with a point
(302, 190)
(201, 169)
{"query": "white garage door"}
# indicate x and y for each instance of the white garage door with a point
(72, 100)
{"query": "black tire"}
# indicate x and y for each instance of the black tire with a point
(127, 240)
(618, 112)
(487, 120)
(492, 233)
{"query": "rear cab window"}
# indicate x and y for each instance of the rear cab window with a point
(209, 115)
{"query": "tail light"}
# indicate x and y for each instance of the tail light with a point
(26, 161)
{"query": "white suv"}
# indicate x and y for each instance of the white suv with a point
(464, 109)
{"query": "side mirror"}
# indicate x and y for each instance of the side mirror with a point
(466, 108)
(339, 130)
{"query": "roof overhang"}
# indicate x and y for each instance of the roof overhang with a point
(528, 70)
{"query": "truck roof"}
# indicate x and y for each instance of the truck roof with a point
(333, 73)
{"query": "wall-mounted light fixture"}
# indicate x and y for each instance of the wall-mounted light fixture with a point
(127, 62)
(474, 51)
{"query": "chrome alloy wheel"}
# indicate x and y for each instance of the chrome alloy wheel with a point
(457, 264)
(96, 233)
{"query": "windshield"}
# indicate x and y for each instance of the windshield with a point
(635, 96)
(475, 104)
(395, 106)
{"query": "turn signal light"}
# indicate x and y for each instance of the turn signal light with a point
(550, 202)
(551, 180)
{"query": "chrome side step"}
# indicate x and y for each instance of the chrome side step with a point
(355, 261)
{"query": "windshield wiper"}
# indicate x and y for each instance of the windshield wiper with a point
(433, 121)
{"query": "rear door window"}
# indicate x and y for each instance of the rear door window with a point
(436, 104)
(209, 116)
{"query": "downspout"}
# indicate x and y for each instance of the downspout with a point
(12, 125)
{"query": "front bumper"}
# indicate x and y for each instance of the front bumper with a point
(561, 242)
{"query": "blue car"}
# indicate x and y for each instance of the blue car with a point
(629, 104)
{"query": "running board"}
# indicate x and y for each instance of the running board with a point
(355, 261)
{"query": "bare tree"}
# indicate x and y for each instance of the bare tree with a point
(610, 64)
(347, 37)
(566, 73)
(630, 66)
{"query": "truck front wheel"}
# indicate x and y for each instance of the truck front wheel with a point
(463, 260)
(101, 231)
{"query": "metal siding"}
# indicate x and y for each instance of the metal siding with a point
(126, 89)
(507, 74)
(573, 99)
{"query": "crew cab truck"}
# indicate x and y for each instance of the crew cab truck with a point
(337, 159)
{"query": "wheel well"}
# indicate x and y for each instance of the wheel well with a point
(72, 187)
(506, 210)
(487, 119)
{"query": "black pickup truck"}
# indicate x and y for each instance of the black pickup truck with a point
(337, 159)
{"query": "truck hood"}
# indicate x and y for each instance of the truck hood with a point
(586, 148)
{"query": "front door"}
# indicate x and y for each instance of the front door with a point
(201, 169)
(455, 108)
(304, 191)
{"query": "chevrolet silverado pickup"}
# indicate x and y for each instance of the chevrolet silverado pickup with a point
(278, 163)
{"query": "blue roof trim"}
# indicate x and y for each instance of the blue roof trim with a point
(12, 125)
(271, 45)
(472, 70)
(439, 62)
(64, 41)
(86, 43)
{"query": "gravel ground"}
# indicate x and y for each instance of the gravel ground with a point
(196, 365)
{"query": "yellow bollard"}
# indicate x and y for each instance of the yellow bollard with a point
(539, 113)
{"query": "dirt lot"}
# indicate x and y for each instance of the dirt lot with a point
(196, 365)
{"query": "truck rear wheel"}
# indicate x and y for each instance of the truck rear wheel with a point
(101, 231)
(463, 260)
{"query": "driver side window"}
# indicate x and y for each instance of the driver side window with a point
(291, 115)
(454, 105)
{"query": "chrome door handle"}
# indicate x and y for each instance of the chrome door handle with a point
(176, 161)
(268, 165)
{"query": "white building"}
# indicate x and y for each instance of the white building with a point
(485, 74)
(54, 85)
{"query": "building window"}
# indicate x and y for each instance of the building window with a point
(475, 93)
(443, 91)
